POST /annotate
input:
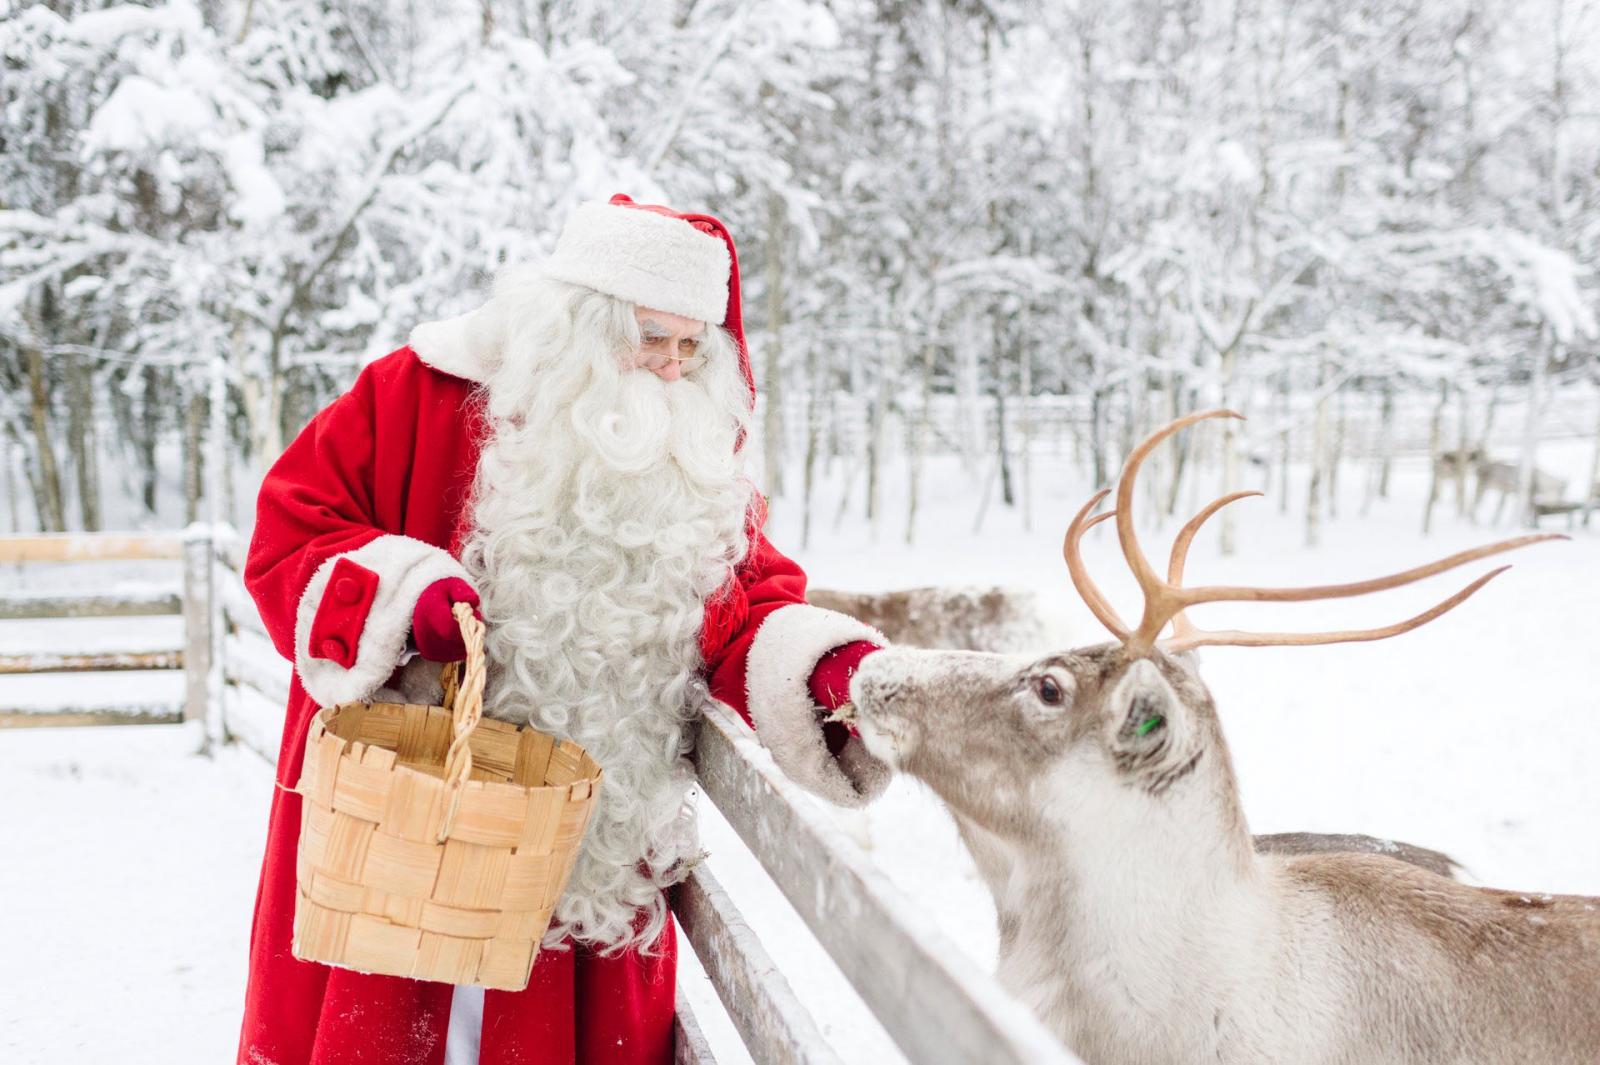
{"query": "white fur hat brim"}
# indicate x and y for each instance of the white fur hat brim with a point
(645, 258)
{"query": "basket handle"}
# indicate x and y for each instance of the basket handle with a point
(464, 700)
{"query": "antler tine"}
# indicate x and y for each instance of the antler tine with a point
(1234, 638)
(1166, 600)
(1161, 600)
(1192, 637)
(1080, 575)
(1180, 546)
(1180, 554)
(1232, 593)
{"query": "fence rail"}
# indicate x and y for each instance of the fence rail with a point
(939, 1009)
(904, 968)
(1063, 424)
(90, 547)
(72, 715)
(774, 1025)
(98, 662)
(689, 1043)
(26, 606)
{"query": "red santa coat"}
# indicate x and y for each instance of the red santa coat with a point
(364, 510)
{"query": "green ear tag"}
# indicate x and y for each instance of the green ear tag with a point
(1150, 724)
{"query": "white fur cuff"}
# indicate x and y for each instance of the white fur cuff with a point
(404, 567)
(783, 655)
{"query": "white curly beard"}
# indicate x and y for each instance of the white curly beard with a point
(608, 506)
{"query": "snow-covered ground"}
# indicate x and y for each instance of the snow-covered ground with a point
(131, 864)
(129, 870)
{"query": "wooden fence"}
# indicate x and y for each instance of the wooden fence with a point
(192, 655)
(1060, 426)
(224, 655)
(937, 1005)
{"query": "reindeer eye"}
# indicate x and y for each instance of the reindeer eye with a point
(1048, 691)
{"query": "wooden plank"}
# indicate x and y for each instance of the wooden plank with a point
(100, 660)
(689, 1044)
(237, 606)
(253, 662)
(774, 1025)
(940, 1008)
(198, 590)
(253, 720)
(258, 647)
(140, 603)
(163, 713)
(90, 547)
(231, 548)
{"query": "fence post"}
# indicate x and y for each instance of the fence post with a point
(197, 595)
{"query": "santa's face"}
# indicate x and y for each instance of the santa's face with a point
(669, 344)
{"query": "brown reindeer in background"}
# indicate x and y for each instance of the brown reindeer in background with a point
(1095, 790)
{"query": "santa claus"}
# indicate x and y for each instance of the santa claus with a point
(568, 459)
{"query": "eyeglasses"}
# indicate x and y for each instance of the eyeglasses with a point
(658, 361)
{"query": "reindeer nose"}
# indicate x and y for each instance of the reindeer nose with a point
(877, 679)
(864, 682)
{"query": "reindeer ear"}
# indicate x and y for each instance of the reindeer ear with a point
(1144, 708)
(1189, 660)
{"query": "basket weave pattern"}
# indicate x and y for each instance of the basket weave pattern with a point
(434, 844)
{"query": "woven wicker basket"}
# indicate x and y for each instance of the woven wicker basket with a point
(433, 843)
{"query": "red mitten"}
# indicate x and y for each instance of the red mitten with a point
(830, 687)
(433, 627)
(830, 681)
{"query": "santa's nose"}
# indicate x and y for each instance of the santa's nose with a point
(670, 372)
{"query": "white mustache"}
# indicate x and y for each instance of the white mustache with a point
(639, 423)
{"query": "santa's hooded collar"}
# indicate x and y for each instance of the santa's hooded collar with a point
(646, 254)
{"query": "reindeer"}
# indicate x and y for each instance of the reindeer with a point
(1506, 478)
(977, 619)
(1095, 791)
(1008, 620)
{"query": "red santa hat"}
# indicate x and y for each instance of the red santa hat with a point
(649, 255)
(655, 257)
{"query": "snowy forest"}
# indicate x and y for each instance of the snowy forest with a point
(991, 229)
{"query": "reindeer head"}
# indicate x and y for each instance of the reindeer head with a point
(1006, 741)
(994, 735)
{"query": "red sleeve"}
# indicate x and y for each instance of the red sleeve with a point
(768, 580)
(764, 667)
(315, 503)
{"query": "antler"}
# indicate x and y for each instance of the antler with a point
(1080, 573)
(1180, 554)
(1166, 600)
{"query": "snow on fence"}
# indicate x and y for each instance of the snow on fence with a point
(936, 1006)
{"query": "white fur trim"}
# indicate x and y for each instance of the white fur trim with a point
(787, 648)
(465, 346)
(404, 567)
(645, 258)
